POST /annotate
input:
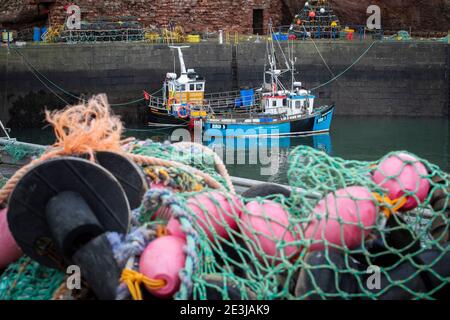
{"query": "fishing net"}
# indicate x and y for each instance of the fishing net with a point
(343, 230)
(27, 280)
(359, 242)
(18, 152)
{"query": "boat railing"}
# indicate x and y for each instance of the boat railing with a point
(233, 101)
(234, 93)
(156, 102)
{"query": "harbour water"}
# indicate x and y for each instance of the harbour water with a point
(352, 138)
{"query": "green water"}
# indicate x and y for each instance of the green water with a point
(356, 138)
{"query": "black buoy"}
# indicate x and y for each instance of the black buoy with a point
(440, 202)
(128, 174)
(420, 274)
(59, 213)
(328, 275)
(265, 190)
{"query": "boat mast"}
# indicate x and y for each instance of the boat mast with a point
(272, 59)
(180, 57)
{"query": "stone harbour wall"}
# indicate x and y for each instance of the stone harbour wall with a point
(393, 78)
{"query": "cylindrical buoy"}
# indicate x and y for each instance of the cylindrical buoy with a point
(266, 225)
(9, 250)
(214, 212)
(401, 173)
(328, 276)
(266, 189)
(164, 258)
(345, 215)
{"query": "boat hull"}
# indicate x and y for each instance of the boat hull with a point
(319, 122)
(163, 117)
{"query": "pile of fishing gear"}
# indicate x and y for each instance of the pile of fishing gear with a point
(105, 30)
(144, 220)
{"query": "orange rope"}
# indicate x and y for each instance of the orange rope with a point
(161, 231)
(389, 206)
(91, 127)
(134, 279)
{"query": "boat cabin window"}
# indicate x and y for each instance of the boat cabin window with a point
(284, 102)
(182, 87)
(192, 87)
(199, 87)
(274, 103)
(298, 104)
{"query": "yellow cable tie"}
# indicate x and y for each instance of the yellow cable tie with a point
(389, 206)
(134, 279)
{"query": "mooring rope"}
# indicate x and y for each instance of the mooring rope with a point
(347, 69)
(39, 74)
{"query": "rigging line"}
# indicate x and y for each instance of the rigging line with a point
(43, 76)
(279, 45)
(347, 69)
(49, 88)
(27, 62)
(320, 54)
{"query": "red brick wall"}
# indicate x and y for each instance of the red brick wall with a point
(193, 15)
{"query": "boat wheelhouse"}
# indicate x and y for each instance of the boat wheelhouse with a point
(180, 96)
(282, 111)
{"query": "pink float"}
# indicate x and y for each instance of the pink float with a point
(410, 177)
(353, 206)
(9, 251)
(221, 213)
(164, 258)
(266, 225)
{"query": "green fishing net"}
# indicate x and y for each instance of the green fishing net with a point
(338, 233)
(19, 152)
(27, 280)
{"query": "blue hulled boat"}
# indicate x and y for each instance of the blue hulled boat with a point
(276, 109)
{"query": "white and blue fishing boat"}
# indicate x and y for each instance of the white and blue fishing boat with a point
(275, 109)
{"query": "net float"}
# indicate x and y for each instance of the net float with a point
(328, 275)
(424, 272)
(266, 225)
(214, 212)
(401, 173)
(164, 258)
(9, 250)
(337, 218)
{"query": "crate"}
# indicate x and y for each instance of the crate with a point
(193, 38)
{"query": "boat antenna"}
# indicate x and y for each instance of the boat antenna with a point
(180, 57)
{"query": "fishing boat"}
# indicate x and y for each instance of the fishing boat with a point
(284, 109)
(179, 94)
(276, 108)
(183, 97)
